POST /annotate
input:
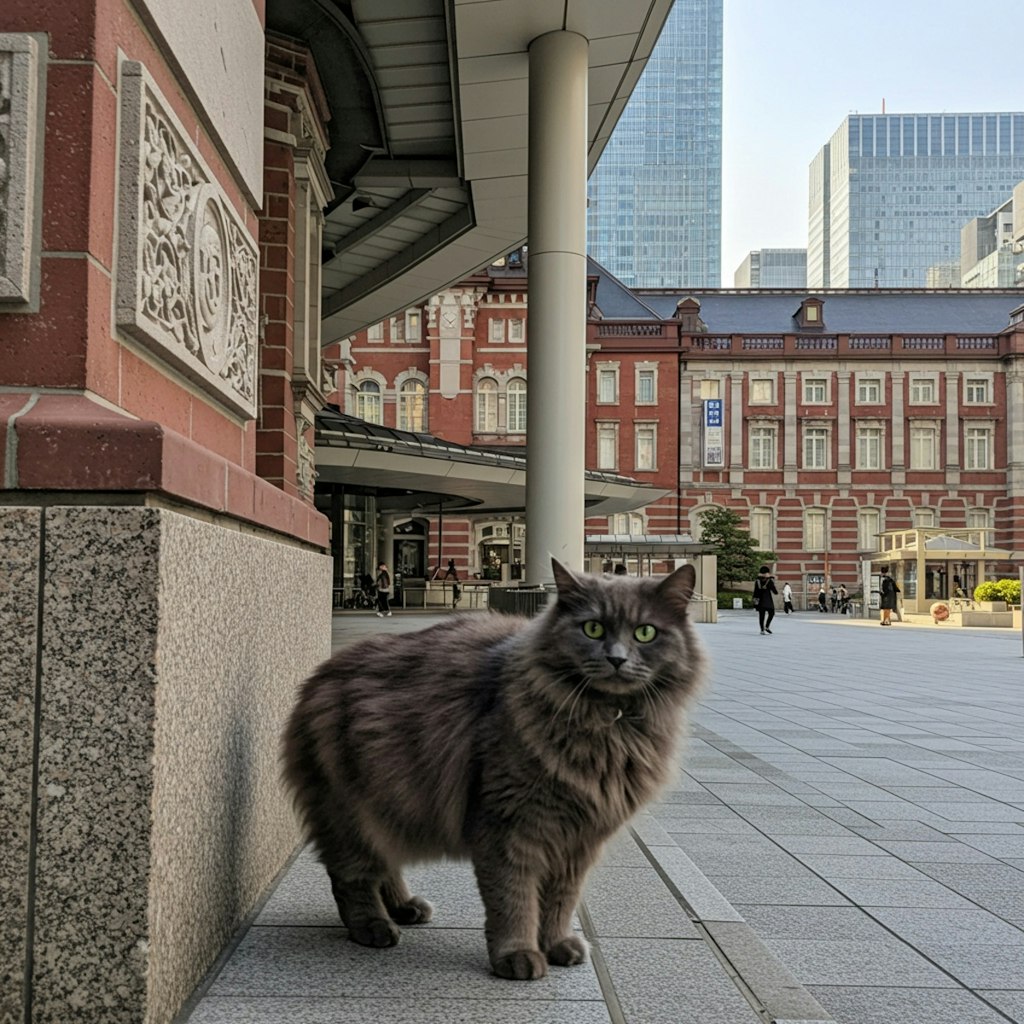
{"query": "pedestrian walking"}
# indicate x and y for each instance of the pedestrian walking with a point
(844, 600)
(822, 599)
(764, 602)
(833, 601)
(787, 598)
(383, 582)
(887, 595)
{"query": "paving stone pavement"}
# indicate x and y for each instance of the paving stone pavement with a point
(844, 843)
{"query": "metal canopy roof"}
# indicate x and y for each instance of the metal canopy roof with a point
(429, 131)
(410, 471)
(656, 545)
(937, 544)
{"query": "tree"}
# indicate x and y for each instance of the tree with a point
(738, 557)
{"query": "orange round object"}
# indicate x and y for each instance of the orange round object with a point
(940, 612)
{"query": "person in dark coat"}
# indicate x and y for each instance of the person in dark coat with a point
(764, 601)
(888, 590)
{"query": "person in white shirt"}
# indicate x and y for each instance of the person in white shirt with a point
(787, 598)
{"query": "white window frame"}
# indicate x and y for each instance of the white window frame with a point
(413, 325)
(810, 389)
(496, 331)
(648, 431)
(485, 413)
(813, 435)
(915, 433)
(978, 445)
(607, 444)
(762, 435)
(760, 384)
(604, 372)
(710, 387)
(412, 405)
(870, 456)
(920, 386)
(972, 383)
(867, 384)
(869, 526)
(370, 400)
(517, 330)
(924, 518)
(979, 519)
(516, 406)
(646, 371)
(375, 332)
(762, 526)
(398, 330)
(815, 529)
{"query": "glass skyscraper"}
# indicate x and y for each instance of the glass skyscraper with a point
(655, 214)
(889, 193)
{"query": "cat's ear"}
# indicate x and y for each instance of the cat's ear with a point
(567, 582)
(677, 588)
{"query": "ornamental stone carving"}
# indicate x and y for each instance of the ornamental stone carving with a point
(22, 87)
(187, 273)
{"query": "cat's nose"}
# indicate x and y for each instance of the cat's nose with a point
(615, 662)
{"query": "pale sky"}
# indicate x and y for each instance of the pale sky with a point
(793, 69)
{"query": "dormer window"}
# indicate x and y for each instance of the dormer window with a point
(811, 313)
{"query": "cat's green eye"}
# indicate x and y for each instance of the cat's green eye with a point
(645, 634)
(593, 629)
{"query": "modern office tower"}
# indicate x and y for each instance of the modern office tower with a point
(772, 268)
(889, 193)
(991, 250)
(655, 215)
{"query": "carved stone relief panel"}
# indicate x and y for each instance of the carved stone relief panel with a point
(22, 88)
(188, 270)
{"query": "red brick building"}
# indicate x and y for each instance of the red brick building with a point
(842, 413)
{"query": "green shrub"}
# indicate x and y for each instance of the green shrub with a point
(725, 598)
(1007, 590)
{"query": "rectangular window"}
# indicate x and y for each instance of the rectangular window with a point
(922, 448)
(976, 391)
(645, 387)
(376, 332)
(814, 529)
(761, 528)
(710, 389)
(815, 391)
(869, 391)
(607, 386)
(412, 325)
(869, 448)
(515, 330)
(815, 448)
(497, 330)
(762, 391)
(607, 446)
(646, 446)
(762, 448)
(922, 391)
(924, 518)
(977, 448)
(869, 526)
(978, 519)
(398, 328)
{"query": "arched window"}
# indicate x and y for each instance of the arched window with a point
(412, 406)
(517, 406)
(487, 406)
(368, 403)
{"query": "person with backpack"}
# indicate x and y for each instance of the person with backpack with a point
(888, 590)
(383, 582)
(764, 602)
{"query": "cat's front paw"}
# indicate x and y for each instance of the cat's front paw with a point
(415, 910)
(569, 951)
(522, 965)
(377, 931)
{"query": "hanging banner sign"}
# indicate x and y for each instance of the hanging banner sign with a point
(714, 433)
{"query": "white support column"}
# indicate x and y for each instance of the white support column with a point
(556, 398)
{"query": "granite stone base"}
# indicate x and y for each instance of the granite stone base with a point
(170, 649)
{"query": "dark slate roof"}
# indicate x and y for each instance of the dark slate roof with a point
(879, 311)
(867, 311)
(615, 300)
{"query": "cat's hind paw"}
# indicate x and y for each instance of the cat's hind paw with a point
(522, 965)
(415, 910)
(569, 951)
(378, 932)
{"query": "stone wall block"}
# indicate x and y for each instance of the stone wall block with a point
(20, 532)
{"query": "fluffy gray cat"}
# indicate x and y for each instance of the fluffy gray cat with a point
(522, 744)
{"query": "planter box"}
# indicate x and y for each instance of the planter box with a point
(1003, 619)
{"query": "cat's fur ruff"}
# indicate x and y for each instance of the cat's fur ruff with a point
(522, 744)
